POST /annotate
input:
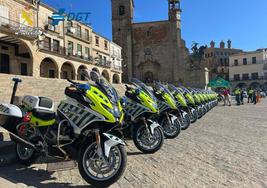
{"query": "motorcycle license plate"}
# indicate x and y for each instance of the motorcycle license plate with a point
(65, 165)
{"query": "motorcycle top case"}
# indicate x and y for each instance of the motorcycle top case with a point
(10, 116)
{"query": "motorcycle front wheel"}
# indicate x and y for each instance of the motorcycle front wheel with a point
(146, 142)
(171, 130)
(186, 122)
(101, 171)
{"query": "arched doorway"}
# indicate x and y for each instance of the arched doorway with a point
(242, 85)
(48, 68)
(116, 79)
(96, 70)
(67, 71)
(105, 74)
(15, 56)
(148, 77)
(4, 63)
(255, 85)
(80, 70)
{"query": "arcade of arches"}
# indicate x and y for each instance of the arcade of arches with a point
(16, 58)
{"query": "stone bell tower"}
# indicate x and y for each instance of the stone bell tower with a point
(176, 40)
(122, 19)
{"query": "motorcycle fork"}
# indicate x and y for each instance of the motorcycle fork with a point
(168, 118)
(148, 132)
(98, 143)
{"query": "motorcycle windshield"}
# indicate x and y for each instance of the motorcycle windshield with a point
(103, 84)
(143, 86)
(161, 87)
(174, 89)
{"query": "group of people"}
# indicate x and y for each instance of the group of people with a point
(240, 93)
(253, 95)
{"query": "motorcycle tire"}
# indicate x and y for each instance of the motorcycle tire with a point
(186, 122)
(173, 134)
(106, 181)
(26, 157)
(157, 130)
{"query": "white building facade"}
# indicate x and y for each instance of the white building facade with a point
(249, 69)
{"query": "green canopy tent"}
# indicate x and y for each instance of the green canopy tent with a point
(219, 83)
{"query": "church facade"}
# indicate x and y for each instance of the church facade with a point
(150, 50)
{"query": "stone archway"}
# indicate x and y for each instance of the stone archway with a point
(148, 77)
(67, 71)
(96, 70)
(116, 79)
(49, 68)
(16, 56)
(255, 85)
(105, 74)
(242, 85)
(80, 76)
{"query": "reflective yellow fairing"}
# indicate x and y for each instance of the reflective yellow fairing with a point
(171, 102)
(102, 105)
(41, 123)
(148, 102)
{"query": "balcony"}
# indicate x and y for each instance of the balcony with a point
(117, 67)
(249, 79)
(46, 46)
(103, 63)
(12, 27)
(71, 31)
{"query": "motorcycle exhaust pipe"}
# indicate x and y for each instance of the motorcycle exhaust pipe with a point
(17, 139)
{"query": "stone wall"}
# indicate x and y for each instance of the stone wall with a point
(51, 88)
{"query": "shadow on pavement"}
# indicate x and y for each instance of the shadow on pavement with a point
(135, 153)
(32, 177)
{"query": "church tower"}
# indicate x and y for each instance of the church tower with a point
(176, 40)
(122, 19)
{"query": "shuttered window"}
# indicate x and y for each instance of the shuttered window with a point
(4, 15)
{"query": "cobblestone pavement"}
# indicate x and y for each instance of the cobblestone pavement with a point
(226, 148)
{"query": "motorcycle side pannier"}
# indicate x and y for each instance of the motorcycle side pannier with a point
(10, 116)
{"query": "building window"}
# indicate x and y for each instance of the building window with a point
(55, 45)
(51, 73)
(105, 59)
(106, 45)
(236, 77)
(79, 31)
(47, 43)
(97, 41)
(87, 52)
(227, 62)
(121, 10)
(221, 61)
(265, 76)
(255, 76)
(254, 60)
(245, 62)
(23, 69)
(79, 50)
(245, 76)
(70, 48)
(236, 62)
(87, 35)
(211, 54)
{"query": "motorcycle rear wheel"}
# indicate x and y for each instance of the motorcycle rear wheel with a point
(25, 155)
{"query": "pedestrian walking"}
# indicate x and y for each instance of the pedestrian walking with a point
(242, 93)
(237, 96)
(226, 95)
(250, 95)
(254, 97)
(258, 96)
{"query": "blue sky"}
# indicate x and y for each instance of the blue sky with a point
(242, 21)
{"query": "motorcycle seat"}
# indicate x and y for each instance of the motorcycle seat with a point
(44, 114)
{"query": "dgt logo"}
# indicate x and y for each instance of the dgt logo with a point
(61, 15)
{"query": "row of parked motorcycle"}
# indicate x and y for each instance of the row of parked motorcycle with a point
(91, 124)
